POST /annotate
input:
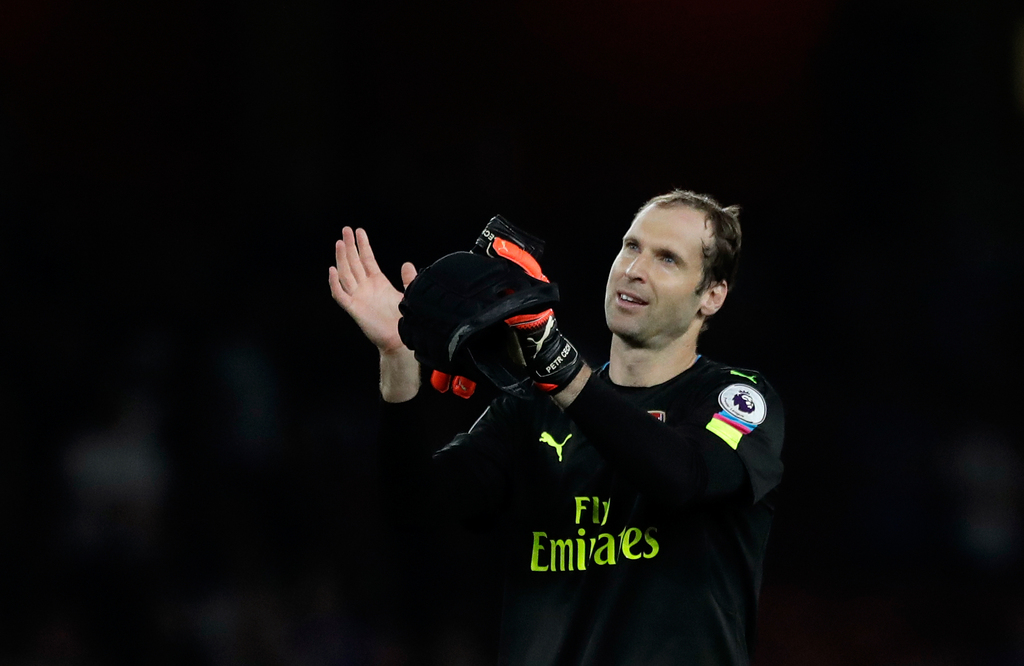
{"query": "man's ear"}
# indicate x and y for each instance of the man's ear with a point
(713, 298)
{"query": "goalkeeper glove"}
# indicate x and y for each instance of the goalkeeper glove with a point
(551, 359)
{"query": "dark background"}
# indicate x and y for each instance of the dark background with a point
(187, 461)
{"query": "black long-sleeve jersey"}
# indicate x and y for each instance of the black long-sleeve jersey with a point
(637, 519)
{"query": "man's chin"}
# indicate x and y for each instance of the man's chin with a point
(631, 335)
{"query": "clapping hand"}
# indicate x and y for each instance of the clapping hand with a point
(365, 293)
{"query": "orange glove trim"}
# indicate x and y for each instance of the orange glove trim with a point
(460, 386)
(528, 321)
(440, 380)
(518, 255)
(463, 387)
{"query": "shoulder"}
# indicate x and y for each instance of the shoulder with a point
(714, 373)
(714, 368)
(727, 382)
(741, 390)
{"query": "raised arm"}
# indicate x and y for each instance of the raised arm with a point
(366, 294)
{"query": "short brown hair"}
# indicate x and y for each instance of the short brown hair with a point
(721, 258)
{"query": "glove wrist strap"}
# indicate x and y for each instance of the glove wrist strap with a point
(552, 360)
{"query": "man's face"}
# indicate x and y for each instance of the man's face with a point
(651, 298)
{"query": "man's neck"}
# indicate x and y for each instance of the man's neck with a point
(644, 366)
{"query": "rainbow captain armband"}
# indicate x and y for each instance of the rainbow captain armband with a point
(729, 428)
(743, 409)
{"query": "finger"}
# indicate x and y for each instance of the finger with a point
(366, 253)
(408, 273)
(354, 264)
(343, 299)
(348, 281)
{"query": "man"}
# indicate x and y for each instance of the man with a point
(639, 497)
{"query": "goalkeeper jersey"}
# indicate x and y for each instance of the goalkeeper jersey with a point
(637, 520)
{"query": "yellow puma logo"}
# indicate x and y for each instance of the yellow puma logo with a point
(550, 441)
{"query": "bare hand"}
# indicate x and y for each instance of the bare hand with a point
(365, 293)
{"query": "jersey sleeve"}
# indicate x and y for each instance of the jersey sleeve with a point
(694, 461)
(665, 464)
(742, 419)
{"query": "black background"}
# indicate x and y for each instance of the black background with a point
(188, 418)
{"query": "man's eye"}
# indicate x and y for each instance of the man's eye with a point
(630, 245)
(668, 259)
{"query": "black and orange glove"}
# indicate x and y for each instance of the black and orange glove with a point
(464, 317)
(509, 378)
(551, 359)
(453, 314)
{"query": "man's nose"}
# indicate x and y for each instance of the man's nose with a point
(637, 269)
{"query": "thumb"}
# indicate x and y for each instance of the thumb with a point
(408, 273)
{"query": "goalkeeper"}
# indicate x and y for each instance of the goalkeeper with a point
(638, 497)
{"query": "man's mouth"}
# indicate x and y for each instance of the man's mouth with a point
(624, 297)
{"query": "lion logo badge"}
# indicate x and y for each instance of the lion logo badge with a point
(744, 402)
